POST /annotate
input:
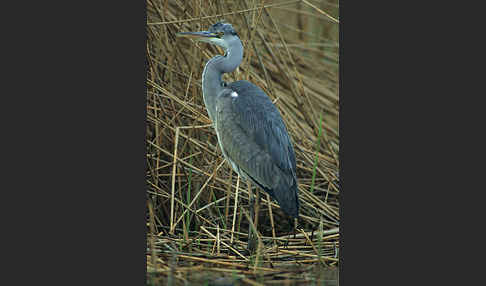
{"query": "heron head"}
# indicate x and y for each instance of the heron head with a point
(221, 34)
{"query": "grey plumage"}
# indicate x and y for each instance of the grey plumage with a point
(251, 132)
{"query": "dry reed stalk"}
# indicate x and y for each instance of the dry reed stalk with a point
(320, 11)
(173, 183)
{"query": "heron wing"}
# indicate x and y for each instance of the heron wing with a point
(253, 135)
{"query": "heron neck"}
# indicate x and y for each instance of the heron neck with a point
(212, 75)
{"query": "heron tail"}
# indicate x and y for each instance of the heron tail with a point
(288, 199)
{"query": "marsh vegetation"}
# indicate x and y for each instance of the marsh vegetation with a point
(195, 234)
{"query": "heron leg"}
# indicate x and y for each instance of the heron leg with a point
(292, 229)
(257, 207)
(251, 235)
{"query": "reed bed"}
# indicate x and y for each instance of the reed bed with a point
(197, 207)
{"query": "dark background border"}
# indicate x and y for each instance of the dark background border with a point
(74, 143)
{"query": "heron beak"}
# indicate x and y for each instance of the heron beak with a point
(198, 36)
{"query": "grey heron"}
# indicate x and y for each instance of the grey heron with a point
(250, 130)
